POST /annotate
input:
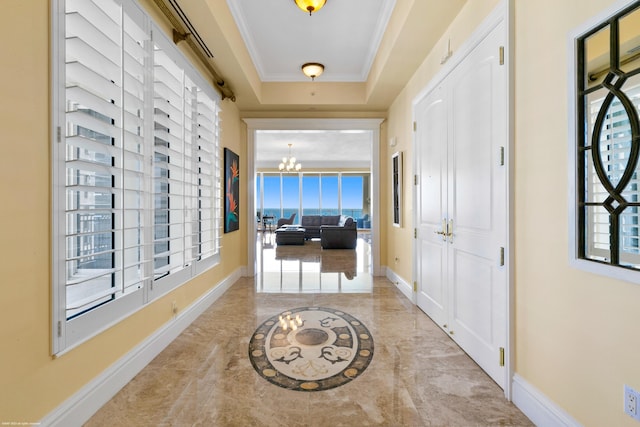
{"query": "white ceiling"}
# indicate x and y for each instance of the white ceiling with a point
(343, 36)
(315, 149)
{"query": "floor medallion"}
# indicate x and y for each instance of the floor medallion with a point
(311, 349)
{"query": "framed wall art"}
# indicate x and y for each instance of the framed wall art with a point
(231, 191)
(396, 187)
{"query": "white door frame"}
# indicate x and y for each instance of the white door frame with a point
(254, 125)
(503, 12)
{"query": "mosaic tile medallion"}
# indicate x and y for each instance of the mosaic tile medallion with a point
(311, 349)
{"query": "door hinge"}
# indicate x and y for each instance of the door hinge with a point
(415, 286)
(415, 233)
(501, 156)
(501, 356)
(415, 126)
(501, 256)
(501, 55)
(415, 179)
(59, 134)
(59, 328)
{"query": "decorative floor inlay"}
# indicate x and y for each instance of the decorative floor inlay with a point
(323, 349)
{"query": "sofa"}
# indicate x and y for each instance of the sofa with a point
(312, 224)
(334, 231)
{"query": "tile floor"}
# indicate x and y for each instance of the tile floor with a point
(417, 376)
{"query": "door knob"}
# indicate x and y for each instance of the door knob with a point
(443, 232)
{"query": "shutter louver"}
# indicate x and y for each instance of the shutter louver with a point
(167, 164)
(105, 159)
(93, 154)
(207, 175)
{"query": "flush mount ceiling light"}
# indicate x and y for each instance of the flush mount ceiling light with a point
(310, 5)
(312, 69)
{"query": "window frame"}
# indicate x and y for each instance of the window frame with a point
(67, 333)
(260, 188)
(576, 125)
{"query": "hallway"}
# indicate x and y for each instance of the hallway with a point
(417, 375)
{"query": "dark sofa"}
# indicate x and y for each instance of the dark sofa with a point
(334, 231)
(312, 224)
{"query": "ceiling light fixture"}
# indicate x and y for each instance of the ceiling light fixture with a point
(310, 5)
(289, 163)
(312, 69)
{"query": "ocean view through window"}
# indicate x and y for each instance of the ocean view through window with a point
(342, 193)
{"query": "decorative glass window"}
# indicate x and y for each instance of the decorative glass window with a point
(608, 141)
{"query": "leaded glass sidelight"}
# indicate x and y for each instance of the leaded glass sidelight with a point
(608, 106)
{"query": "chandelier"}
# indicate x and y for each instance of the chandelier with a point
(310, 5)
(289, 163)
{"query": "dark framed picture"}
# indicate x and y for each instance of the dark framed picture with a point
(396, 185)
(231, 191)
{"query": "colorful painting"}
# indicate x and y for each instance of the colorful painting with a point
(231, 191)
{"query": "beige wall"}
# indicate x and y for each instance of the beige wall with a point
(32, 383)
(576, 333)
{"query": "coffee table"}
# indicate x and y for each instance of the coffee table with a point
(290, 236)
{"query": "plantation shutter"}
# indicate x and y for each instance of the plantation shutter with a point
(168, 165)
(104, 154)
(136, 168)
(186, 171)
(209, 178)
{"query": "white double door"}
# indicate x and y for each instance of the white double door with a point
(461, 204)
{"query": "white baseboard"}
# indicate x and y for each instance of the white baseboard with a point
(401, 284)
(541, 410)
(77, 409)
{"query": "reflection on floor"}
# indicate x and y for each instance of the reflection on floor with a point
(309, 268)
(416, 377)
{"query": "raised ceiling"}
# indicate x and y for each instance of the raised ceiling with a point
(344, 36)
(370, 49)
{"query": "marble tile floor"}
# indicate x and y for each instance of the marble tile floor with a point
(311, 269)
(417, 377)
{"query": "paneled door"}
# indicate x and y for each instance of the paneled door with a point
(461, 204)
(431, 199)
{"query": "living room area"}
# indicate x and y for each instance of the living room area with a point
(313, 210)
